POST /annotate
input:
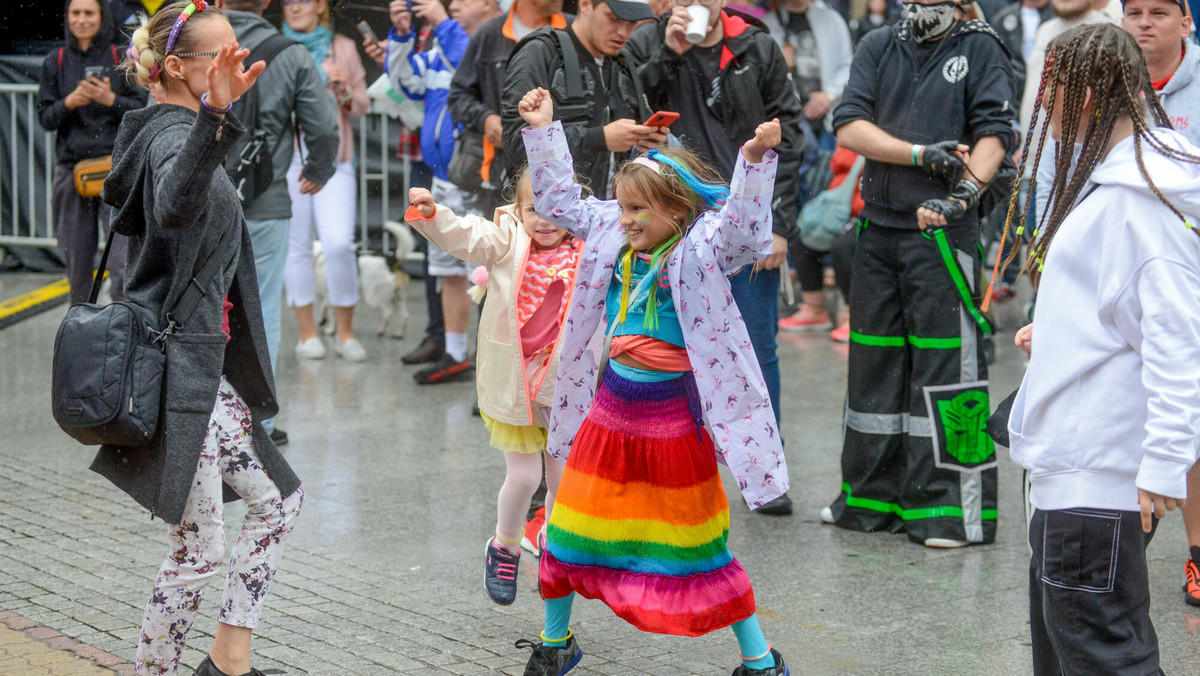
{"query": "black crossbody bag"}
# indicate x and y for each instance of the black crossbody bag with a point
(109, 361)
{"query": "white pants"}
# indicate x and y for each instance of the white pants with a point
(330, 216)
(198, 542)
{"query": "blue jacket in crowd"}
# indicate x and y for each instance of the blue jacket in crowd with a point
(427, 75)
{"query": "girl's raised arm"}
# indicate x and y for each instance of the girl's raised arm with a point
(470, 238)
(556, 195)
(742, 233)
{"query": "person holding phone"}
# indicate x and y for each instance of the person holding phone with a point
(82, 98)
(425, 74)
(724, 74)
(603, 120)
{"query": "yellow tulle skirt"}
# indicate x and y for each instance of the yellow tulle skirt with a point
(515, 438)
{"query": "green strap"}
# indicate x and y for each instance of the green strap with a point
(964, 291)
(911, 514)
(900, 341)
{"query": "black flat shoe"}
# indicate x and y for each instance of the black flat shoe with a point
(279, 437)
(780, 506)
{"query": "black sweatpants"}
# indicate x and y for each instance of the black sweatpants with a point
(1089, 594)
(915, 345)
(77, 220)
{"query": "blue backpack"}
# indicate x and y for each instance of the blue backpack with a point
(825, 216)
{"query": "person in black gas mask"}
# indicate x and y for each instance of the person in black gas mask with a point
(931, 105)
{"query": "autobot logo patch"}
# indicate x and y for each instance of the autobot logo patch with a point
(955, 69)
(959, 415)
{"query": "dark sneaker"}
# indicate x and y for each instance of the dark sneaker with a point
(444, 370)
(546, 661)
(279, 437)
(780, 669)
(500, 573)
(1191, 588)
(427, 351)
(780, 506)
(207, 668)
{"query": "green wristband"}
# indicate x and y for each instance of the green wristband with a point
(916, 155)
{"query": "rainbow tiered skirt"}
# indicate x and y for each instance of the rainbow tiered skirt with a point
(640, 520)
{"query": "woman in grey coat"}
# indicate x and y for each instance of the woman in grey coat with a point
(174, 201)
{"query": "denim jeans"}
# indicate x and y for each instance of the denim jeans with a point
(270, 241)
(757, 296)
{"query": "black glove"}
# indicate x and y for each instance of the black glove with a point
(937, 159)
(955, 205)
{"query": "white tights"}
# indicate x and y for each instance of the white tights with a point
(524, 473)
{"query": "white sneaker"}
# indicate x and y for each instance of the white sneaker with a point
(826, 515)
(312, 348)
(351, 350)
(945, 543)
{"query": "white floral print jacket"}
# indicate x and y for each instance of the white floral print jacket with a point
(733, 393)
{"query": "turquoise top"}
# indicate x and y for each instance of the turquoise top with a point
(668, 329)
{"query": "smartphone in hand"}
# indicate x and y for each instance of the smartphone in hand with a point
(367, 33)
(96, 72)
(662, 118)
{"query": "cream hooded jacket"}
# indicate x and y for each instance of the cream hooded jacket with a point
(508, 391)
(1111, 400)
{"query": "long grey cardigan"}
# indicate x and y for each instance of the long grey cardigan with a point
(174, 201)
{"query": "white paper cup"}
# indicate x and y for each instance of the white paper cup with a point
(697, 26)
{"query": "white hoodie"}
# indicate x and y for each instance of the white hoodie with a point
(1111, 400)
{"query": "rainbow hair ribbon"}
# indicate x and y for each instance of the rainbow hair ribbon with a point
(713, 194)
(192, 8)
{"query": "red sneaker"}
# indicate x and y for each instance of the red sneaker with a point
(533, 529)
(805, 322)
(1191, 589)
(841, 334)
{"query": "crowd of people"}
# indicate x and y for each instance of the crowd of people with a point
(625, 184)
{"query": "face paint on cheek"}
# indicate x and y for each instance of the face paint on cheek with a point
(644, 218)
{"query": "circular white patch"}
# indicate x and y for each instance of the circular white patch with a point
(955, 69)
(1010, 22)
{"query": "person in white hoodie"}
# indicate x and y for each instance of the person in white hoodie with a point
(1107, 420)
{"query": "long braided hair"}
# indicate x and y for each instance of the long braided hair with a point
(1105, 59)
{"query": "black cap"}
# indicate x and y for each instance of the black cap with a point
(629, 10)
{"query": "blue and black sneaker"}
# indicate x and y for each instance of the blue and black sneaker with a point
(780, 669)
(547, 661)
(500, 573)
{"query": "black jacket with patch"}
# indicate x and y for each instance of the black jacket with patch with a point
(756, 87)
(537, 61)
(965, 91)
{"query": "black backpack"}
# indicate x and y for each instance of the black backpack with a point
(250, 165)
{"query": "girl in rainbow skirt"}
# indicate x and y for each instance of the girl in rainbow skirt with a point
(641, 520)
(531, 267)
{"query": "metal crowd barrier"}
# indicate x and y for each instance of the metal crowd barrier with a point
(26, 218)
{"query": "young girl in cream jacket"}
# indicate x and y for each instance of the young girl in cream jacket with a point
(531, 278)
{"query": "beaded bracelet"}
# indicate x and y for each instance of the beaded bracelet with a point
(219, 111)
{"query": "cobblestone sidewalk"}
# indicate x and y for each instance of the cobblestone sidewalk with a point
(29, 649)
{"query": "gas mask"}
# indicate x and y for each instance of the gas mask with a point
(929, 22)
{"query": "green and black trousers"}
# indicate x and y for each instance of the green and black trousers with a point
(915, 457)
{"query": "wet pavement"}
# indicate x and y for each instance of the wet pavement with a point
(383, 574)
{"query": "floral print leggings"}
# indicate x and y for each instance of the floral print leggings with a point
(198, 542)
